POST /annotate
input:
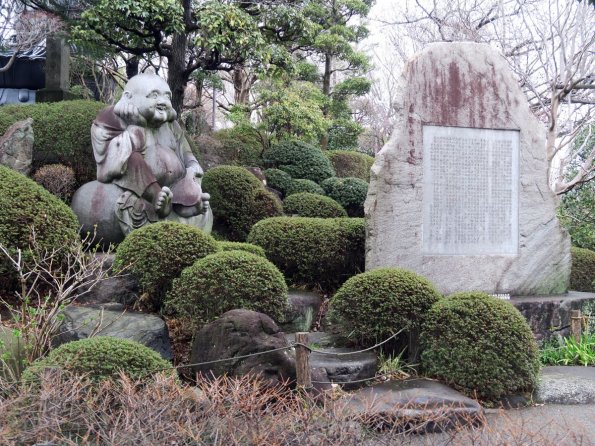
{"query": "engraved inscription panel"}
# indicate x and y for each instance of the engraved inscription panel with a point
(470, 199)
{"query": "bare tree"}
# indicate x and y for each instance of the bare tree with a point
(22, 30)
(549, 44)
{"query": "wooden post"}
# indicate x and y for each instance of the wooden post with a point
(302, 361)
(576, 324)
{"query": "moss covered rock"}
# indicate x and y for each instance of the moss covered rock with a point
(481, 345)
(348, 192)
(582, 274)
(348, 163)
(100, 358)
(374, 305)
(225, 281)
(315, 252)
(306, 204)
(299, 160)
(157, 253)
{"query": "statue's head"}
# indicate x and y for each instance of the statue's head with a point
(146, 101)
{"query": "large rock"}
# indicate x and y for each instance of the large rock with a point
(459, 194)
(16, 146)
(417, 406)
(238, 333)
(147, 329)
(301, 312)
(566, 385)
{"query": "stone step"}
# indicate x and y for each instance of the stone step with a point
(416, 405)
(566, 385)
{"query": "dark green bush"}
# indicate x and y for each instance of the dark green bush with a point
(238, 200)
(480, 344)
(315, 252)
(300, 160)
(239, 148)
(157, 253)
(238, 246)
(100, 358)
(225, 281)
(348, 192)
(300, 185)
(374, 305)
(62, 133)
(348, 163)
(277, 179)
(582, 275)
(306, 204)
(27, 206)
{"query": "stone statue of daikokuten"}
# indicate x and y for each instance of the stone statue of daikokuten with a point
(146, 171)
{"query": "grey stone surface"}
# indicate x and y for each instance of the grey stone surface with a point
(344, 369)
(549, 316)
(146, 171)
(301, 312)
(566, 385)
(16, 146)
(148, 329)
(418, 405)
(464, 85)
(57, 71)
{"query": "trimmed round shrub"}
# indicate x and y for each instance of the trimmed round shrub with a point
(239, 147)
(348, 192)
(100, 358)
(314, 252)
(277, 179)
(582, 274)
(348, 163)
(27, 206)
(299, 160)
(238, 200)
(62, 133)
(301, 185)
(480, 344)
(226, 281)
(239, 246)
(377, 304)
(306, 204)
(157, 253)
(58, 179)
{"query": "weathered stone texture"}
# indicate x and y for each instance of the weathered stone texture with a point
(16, 146)
(464, 85)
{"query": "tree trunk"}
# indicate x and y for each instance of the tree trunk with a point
(131, 66)
(177, 76)
(326, 89)
(242, 83)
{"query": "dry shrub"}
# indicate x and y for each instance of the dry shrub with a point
(66, 410)
(57, 179)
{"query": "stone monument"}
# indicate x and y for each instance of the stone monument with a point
(146, 171)
(57, 71)
(459, 194)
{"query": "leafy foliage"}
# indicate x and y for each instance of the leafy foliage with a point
(377, 304)
(71, 121)
(239, 147)
(225, 281)
(58, 179)
(348, 163)
(238, 246)
(480, 344)
(277, 179)
(569, 351)
(300, 186)
(238, 200)
(315, 252)
(300, 160)
(349, 192)
(577, 214)
(100, 358)
(306, 204)
(157, 253)
(582, 274)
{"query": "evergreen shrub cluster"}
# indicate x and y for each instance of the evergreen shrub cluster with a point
(239, 148)
(348, 163)
(481, 345)
(582, 274)
(306, 204)
(157, 253)
(348, 192)
(239, 246)
(301, 185)
(62, 133)
(315, 252)
(278, 180)
(299, 160)
(238, 200)
(100, 358)
(225, 281)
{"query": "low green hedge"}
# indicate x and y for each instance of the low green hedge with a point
(277, 179)
(226, 281)
(348, 163)
(315, 252)
(239, 246)
(306, 204)
(348, 192)
(62, 132)
(300, 160)
(582, 275)
(301, 185)
(481, 345)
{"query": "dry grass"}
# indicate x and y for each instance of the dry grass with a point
(66, 410)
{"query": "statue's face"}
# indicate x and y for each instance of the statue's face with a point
(152, 97)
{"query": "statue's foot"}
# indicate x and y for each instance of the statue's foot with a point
(163, 204)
